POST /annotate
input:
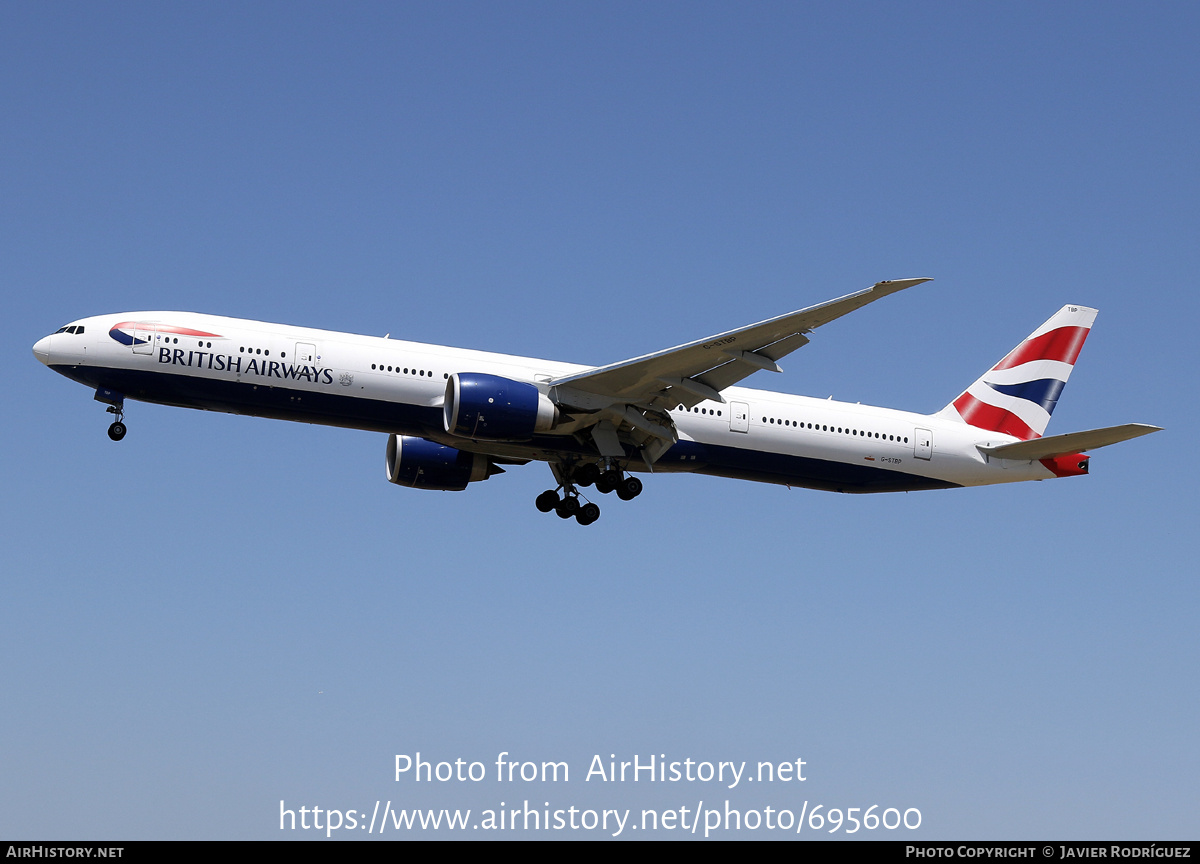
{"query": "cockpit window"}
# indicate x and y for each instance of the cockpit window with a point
(60, 330)
(76, 329)
(79, 330)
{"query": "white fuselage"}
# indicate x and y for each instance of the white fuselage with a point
(394, 386)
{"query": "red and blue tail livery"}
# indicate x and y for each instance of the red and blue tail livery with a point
(1018, 394)
(675, 411)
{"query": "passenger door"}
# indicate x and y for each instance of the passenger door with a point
(923, 446)
(306, 354)
(739, 417)
(143, 339)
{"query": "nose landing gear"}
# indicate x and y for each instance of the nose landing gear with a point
(116, 407)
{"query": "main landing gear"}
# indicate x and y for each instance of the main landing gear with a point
(569, 504)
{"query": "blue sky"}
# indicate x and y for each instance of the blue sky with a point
(221, 612)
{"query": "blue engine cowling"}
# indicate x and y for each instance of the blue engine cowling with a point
(491, 408)
(424, 464)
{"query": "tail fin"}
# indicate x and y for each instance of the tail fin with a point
(1018, 394)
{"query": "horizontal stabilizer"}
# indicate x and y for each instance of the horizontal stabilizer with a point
(1072, 442)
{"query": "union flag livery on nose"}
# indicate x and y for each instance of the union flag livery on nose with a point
(1018, 394)
(127, 332)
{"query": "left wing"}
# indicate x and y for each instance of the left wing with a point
(691, 373)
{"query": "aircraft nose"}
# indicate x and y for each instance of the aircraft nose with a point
(41, 349)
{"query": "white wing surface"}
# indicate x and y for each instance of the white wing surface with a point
(691, 373)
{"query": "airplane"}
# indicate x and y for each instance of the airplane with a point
(455, 416)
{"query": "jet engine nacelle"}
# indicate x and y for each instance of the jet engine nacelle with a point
(492, 408)
(424, 464)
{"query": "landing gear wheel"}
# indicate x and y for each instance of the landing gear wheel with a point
(608, 481)
(587, 474)
(567, 508)
(117, 431)
(587, 514)
(630, 488)
(547, 501)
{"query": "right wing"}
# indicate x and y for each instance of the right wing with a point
(629, 402)
(690, 373)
